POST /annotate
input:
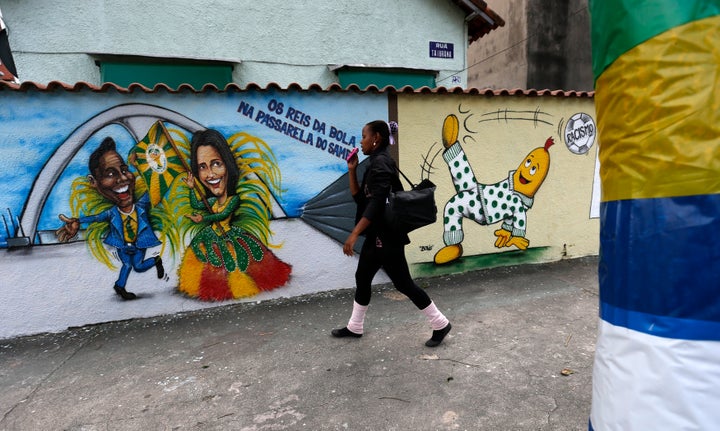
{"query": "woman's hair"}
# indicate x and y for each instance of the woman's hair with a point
(216, 140)
(386, 131)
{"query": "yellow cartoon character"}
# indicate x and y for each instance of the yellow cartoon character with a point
(506, 201)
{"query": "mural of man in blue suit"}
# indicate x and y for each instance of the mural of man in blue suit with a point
(130, 230)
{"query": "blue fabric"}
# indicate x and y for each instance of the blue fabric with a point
(145, 237)
(132, 258)
(660, 258)
(661, 326)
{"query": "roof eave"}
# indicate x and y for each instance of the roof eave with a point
(480, 18)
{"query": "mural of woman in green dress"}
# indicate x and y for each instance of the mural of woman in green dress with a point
(228, 256)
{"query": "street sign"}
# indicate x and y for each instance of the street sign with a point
(442, 50)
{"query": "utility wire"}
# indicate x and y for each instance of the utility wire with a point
(504, 50)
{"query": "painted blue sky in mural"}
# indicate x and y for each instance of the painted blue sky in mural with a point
(308, 132)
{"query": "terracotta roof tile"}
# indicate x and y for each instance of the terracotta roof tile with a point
(481, 19)
(5, 74)
(353, 88)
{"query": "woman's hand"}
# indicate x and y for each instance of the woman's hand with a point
(189, 180)
(354, 235)
(350, 244)
(197, 218)
(352, 163)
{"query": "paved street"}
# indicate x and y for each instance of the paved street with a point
(519, 357)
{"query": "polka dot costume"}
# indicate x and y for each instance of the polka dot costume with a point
(482, 203)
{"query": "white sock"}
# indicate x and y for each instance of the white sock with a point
(435, 317)
(357, 318)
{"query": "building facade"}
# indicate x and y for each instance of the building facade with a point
(404, 42)
(545, 45)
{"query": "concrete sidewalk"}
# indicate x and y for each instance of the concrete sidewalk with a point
(274, 366)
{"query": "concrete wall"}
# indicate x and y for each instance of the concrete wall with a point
(578, 49)
(499, 59)
(47, 138)
(543, 45)
(271, 41)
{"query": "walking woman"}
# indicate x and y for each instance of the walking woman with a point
(383, 248)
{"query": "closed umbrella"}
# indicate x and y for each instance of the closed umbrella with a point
(7, 65)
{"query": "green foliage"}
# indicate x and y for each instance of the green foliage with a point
(84, 199)
(259, 179)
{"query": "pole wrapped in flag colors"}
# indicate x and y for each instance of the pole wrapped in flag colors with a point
(158, 161)
(657, 97)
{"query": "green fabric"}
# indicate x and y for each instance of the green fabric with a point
(130, 228)
(619, 25)
(208, 246)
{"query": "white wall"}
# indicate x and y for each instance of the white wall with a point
(66, 287)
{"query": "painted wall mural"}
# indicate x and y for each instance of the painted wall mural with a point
(506, 201)
(226, 212)
(504, 170)
(179, 201)
(139, 204)
(315, 144)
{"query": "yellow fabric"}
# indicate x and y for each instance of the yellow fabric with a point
(190, 274)
(190, 278)
(242, 285)
(224, 224)
(658, 110)
(155, 191)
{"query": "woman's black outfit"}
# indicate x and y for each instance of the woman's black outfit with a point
(382, 248)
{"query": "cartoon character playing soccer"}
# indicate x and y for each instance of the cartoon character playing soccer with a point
(506, 201)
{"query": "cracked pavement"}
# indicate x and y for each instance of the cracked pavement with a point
(273, 365)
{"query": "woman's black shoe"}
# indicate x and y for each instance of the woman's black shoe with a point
(344, 332)
(438, 336)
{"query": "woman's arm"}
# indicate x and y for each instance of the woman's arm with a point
(379, 183)
(195, 203)
(352, 175)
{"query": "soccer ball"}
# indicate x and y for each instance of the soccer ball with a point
(580, 133)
